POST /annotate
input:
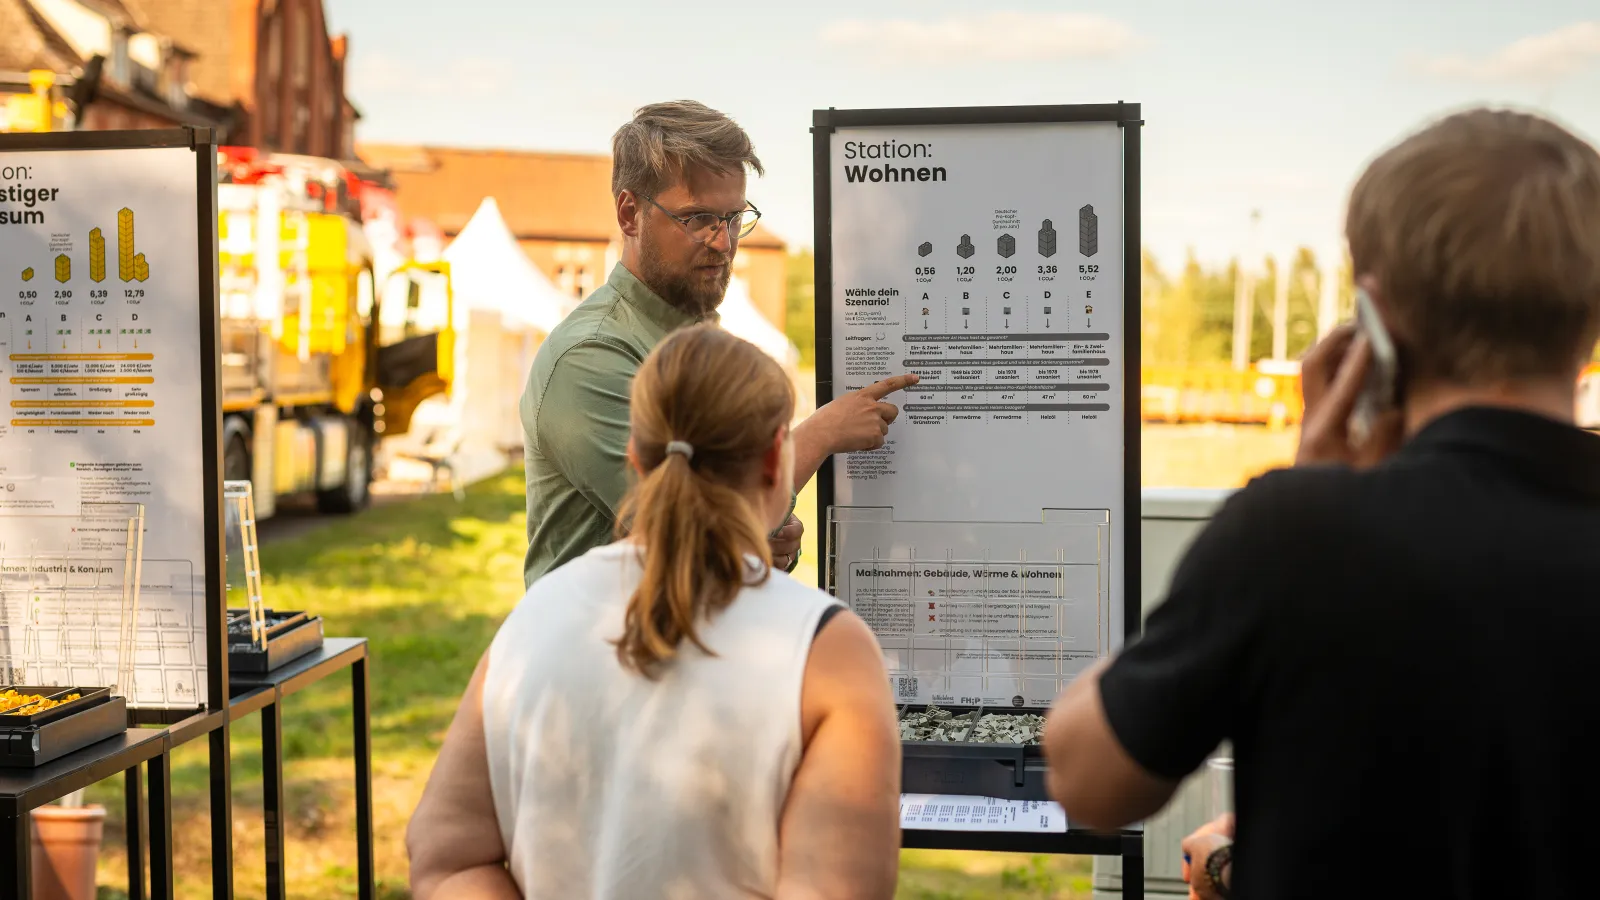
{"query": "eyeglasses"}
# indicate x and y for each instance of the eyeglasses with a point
(702, 227)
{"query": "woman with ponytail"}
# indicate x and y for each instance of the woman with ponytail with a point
(668, 716)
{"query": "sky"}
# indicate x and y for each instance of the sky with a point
(1249, 106)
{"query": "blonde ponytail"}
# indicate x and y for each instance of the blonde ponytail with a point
(726, 400)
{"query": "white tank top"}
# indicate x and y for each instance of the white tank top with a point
(609, 785)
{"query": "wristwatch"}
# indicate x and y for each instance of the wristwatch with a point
(1215, 863)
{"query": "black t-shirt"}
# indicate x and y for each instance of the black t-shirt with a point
(1407, 662)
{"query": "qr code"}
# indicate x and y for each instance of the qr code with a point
(905, 687)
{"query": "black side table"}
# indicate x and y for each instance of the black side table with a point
(23, 790)
(264, 693)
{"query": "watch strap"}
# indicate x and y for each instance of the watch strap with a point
(1215, 863)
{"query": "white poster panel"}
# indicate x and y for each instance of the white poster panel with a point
(988, 260)
(101, 374)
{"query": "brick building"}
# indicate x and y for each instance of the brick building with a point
(104, 51)
(559, 208)
(274, 61)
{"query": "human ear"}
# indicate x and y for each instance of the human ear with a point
(628, 213)
(772, 460)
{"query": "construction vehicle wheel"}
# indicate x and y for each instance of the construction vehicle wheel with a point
(235, 453)
(357, 488)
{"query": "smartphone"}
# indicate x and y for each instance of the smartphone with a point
(1380, 392)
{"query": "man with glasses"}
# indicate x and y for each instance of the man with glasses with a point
(678, 180)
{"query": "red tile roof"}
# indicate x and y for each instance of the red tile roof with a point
(29, 42)
(553, 196)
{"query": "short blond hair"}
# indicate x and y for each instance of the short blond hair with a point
(1483, 230)
(651, 153)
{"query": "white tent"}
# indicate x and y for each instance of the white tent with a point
(740, 316)
(504, 308)
(490, 272)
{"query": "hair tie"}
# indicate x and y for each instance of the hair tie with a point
(683, 447)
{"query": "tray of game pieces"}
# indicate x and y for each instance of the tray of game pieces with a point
(973, 750)
(288, 636)
(41, 723)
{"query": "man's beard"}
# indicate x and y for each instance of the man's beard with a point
(683, 290)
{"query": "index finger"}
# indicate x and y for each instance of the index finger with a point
(880, 389)
(1349, 379)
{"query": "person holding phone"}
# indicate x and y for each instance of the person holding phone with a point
(1396, 635)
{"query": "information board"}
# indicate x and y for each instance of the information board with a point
(107, 368)
(994, 253)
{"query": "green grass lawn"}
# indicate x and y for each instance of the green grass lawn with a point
(427, 581)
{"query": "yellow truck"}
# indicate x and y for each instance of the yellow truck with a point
(323, 351)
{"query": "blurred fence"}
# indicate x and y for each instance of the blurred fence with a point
(1264, 394)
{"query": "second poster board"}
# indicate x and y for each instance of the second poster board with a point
(108, 346)
(994, 252)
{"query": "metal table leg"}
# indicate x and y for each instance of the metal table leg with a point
(161, 878)
(221, 816)
(133, 796)
(1133, 867)
(16, 841)
(272, 797)
(363, 752)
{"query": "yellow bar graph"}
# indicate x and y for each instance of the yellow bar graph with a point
(82, 404)
(27, 274)
(97, 255)
(82, 423)
(84, 379)
(125, 256)
(82, 357)
(63, 268)
(141, 269)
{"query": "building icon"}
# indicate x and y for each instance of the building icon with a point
(965, 248)
(1047, 239)
(1006, 246)
(1088, 231)
(925, 248)
(97, 255)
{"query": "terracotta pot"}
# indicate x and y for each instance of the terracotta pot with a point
(66, 845)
